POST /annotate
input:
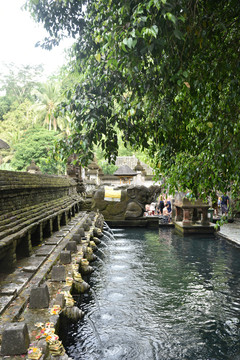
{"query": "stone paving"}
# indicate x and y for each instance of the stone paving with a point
(13, 284)
(231, 231)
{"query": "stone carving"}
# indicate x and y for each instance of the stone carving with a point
(131, 205)
(133, 210)
(33, 168)
(74, 170)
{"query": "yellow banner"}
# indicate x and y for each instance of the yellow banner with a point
(111, 194)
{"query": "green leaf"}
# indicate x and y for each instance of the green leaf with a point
(171, 17)
(154, 30)
(178, 34)
(130, 42)
(98, 57)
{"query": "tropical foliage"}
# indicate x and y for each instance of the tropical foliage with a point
(35, 144)
(47, 100)
(164, 72)
(28, 104)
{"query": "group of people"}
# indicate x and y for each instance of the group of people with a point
(161, 207)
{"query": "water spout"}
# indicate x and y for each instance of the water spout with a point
(109, 235)
(96, 300)
(98, 258)
(91, 323)
(105, 225)
(102, 243)
(102, 252)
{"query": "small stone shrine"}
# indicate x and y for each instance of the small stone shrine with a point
(33, 168)
(74, 170)
(191, 216)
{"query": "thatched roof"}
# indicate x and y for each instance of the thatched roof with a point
(132, 162)
(4, 145)
(124, 170)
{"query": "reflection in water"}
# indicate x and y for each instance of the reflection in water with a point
(162, 297)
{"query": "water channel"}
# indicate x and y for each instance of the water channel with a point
(160, 296)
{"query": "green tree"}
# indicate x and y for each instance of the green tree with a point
(166, 73)
(14, 123)
(47, 100)
(35, 144)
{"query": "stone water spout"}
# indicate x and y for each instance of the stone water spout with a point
(79, 285)
(85, 268)
(73, 313)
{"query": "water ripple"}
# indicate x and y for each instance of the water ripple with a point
(162, 297)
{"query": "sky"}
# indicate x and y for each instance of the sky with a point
(18, 36)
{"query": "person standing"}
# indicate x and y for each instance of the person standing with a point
(160, 205)
(169, 206)
(225, 204)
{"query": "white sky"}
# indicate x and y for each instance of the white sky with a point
(18, 36)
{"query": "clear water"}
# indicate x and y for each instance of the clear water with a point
(160, 297)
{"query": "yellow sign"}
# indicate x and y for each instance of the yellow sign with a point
(111, 194)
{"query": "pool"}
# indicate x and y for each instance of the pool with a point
(159, 296)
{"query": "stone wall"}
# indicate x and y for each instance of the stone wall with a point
(21, 189)
(32, 207)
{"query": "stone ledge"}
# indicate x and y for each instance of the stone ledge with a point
(36, 278)
(194, 228)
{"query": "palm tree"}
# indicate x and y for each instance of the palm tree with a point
(48, 99)
(64, 124)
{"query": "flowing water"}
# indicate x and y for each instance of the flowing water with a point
(162, 297)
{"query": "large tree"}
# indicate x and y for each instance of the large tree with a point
(166, 73)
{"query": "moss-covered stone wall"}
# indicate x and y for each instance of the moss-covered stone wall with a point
(21, 189)
(32, 207)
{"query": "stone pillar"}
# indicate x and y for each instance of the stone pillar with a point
(9, 260)
(56, 223)
(72, 246)
(24, 246)
(179, 214)
(39, 297)
(50, 226)
(40, 233)
(15, 339)
(63, 220)
(187, 216)
(58, 273)
(204, 219)
(65, 257)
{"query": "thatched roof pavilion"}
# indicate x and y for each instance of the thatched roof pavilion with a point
(125, 173)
